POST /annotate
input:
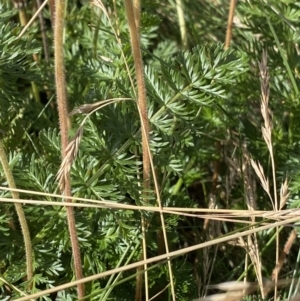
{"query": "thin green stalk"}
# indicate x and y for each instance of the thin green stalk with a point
(108, 288)
(284, 58)
(96, 35)
(179, 183)
(291, 129)
(182, 24)
(61, 92)
(35, 90)
(294, 289)
(20, 212)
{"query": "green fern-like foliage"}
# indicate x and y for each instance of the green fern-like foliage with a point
(203, 104)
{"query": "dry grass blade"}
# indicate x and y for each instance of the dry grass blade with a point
(286, 251)
(11, 286)
(120, 206)
(231, 296)
(161, 259)
(219, 214)
(236, 290)
(267, 134)
(266, 131)
(265, 93)
(267, 128)
(295, 298)
(99, 4)
(264, 75)
(284, 194)
(251, 247)
(89, 107)
(71, 152)
(233, 286)
(260, 173)
(253, 251)
(32, 19)
(264, 181)
(152, 298)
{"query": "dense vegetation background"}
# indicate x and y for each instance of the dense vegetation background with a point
(204, 109)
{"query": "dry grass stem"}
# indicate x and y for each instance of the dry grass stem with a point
(152, 298)
(267, 135)
(236, 290)
(253, 220)
(92, 107)
(220, 214)
(252, 246)
(162, 259)
(267, 128)
(231, 296)
(252, 250)
(286, 251)
(62, 106)
(170, 210)
(230, 23)
(295, 298)
(133, 17)
(32, 19)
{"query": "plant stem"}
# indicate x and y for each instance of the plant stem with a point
(229, 23)
(20, 212)
(35, 90)
(63, 121)
(133, 18)
(182, 24)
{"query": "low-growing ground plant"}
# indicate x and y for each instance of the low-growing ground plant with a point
(149, 150)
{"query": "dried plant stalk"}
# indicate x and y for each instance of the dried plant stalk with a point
(230, 23)
(267, 128)
(63, 121)
(237, 290)
(165, 257)
(267, 135)
(286, 251)
(133, 17)
(252, 246)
